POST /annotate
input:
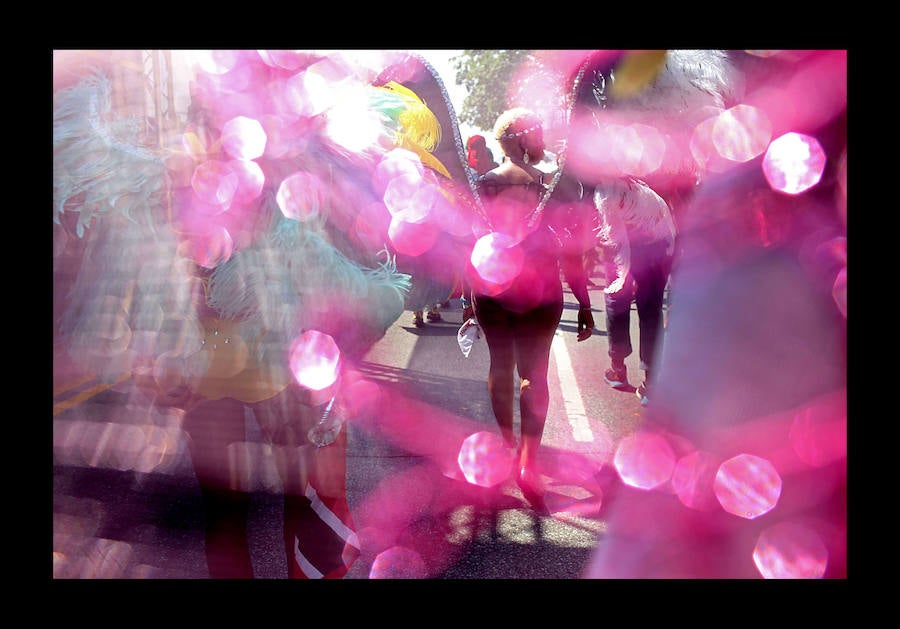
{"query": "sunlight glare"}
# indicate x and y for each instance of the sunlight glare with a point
(484, 459)
(747, 486)
(409, 238)
(243, 138)
(315, 360)
(741, 133)
(644, 460)
(215, 183)
(790, 551)
(351, 123)
(794, 163)
(398, 562)
(251, 179)
(693, 479)
(497, 259)
(301, 196)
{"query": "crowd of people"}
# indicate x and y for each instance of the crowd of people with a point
(529, 230)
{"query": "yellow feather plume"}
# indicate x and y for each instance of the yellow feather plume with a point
(638, 70)
(420, 130)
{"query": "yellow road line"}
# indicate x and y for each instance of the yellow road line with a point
(71, 385)
(85, 395)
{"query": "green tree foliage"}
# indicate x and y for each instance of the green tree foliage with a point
(492, 80)
(499, 79)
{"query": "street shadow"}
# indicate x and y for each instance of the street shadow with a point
(463, 396)
(488, 544)
(463, 530)
(565, 326)
(510, 540)
(510, 560)
(439, 328)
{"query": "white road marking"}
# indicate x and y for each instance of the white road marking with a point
(574, 405)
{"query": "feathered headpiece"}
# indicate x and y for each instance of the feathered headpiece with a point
(670, 91)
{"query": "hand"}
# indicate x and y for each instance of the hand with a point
(468, 313)
(585, 323)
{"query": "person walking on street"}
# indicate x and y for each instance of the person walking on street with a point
(637, 242)
(520, 317)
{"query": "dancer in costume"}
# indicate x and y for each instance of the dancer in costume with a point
(637, 235)
(416, 129)
(526, 211)
(748, 475)
(220, 277)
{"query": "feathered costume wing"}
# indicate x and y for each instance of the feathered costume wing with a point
(620, 101)
(295, 236)
(442, 224)
(290, 239)
(631, 118)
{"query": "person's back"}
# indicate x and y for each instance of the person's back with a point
(520, 302)
(631, 214)
(512, 198)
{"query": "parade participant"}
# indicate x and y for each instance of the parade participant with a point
(637, 237)
(220, 271)
(738, 469)
(479, 156)
(520, 315)
(419, 112)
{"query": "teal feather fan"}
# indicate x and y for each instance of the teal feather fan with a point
(98, 165)
(134, 296)
(295, 280)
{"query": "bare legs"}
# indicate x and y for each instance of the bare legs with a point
(520, 341)
(534, 394)
(500, 390)
(217, 435)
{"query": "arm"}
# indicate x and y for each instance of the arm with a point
(467, 307)
(576, 277)
(570, 192)
(573, 269)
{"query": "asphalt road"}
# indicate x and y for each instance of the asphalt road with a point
(118, 516)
